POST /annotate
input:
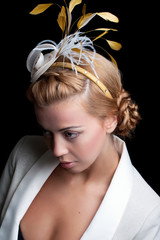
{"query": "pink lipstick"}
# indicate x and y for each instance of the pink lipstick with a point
(67, 165)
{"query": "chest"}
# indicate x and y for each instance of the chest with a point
(60, 211)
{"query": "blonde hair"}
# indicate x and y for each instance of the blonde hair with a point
(59, 84)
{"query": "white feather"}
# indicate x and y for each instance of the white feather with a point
(38, 62)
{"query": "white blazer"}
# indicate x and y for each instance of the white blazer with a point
(130, 209)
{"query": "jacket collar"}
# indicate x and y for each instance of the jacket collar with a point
(108, 216)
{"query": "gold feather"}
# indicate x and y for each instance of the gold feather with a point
(108, 16)
(112, 59)
(40, 8)
(106, 30)
(73, 3)
(62, 18)
(84, 20)
(99, 36)
(114, 45)
(84, 9)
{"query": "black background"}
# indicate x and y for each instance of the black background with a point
(138, 60)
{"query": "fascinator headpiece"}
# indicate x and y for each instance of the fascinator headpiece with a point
(76, 47)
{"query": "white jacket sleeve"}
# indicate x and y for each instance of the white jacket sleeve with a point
(7, 175)
(26, 152)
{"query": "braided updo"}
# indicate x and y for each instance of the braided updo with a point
(59, 84)
(128, 115)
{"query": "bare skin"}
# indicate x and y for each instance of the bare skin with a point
(69, 199)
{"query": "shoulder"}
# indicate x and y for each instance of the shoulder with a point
(26, 152)
(142, 214)
(148, 208)
(35, 144)
(29, 148)
(143, 191)
(145, 196)
(147, 205)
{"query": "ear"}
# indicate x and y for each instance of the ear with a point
(110, 123)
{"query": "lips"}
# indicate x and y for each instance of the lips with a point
(67, 165)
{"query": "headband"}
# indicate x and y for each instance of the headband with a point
(85, 73)
(75, 47)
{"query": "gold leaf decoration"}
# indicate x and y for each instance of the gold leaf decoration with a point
(84, 20)
(99, 36)
(112, 59)
(84, 9)
(114, 45)
(106, 30)
(108, 16)
(73, 3)
(62, 18)
(40, 8)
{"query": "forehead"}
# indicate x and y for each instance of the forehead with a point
(63, 114)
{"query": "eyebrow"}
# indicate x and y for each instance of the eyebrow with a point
(62, 129)
(68, 128)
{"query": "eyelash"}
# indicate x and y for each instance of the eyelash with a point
(71, 135)
(67, 134)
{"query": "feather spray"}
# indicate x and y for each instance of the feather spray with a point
(74, 47)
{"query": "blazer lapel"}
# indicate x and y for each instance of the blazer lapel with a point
(108, 216)
(26, 192)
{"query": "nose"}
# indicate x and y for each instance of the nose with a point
(59, 147)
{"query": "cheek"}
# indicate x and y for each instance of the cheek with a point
(92, 144)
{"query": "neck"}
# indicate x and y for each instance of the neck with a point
(101, 171)
(105, 165)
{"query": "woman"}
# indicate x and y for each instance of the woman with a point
(77, 182)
